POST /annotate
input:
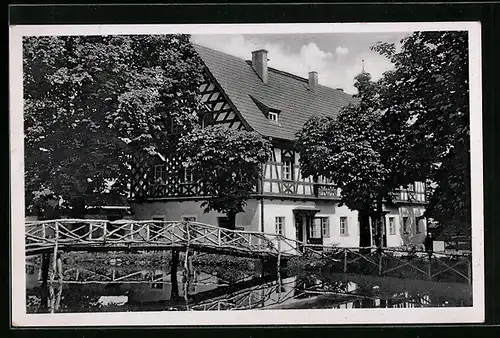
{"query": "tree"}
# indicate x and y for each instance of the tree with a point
(226, 163)
(353, 150)
(90, 102)
(428, 93)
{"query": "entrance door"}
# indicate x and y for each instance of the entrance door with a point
(223, 222)
(315, 232)
(299, 228)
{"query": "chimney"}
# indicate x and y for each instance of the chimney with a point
(313, 81)
(259, 63)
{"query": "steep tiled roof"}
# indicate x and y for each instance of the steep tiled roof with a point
(285, 92)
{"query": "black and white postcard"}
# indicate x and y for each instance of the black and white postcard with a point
(246, 174)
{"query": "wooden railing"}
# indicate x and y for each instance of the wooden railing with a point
(84, 234)
(259, 296)
(98, 235)
(394, 262)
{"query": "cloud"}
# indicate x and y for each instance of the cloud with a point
(313, 57)
(333, 69)
(341, 50)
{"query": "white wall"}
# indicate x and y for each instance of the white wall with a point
(334, 214)
(393, 240)
(250, 220)
(175, 210)
(284, 208)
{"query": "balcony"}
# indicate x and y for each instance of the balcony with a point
(408, 196)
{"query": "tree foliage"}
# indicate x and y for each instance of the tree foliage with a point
(411, 125)
(352, 151)
(90, 100)
(226, 163)
(427, 93)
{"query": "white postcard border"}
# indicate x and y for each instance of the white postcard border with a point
(474, 314)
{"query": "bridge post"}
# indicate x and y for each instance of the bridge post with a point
(187, 258)
(45, 268)
(90, 231)
(429, 266)
(279, 255)
(59, 265)
(380, 265)
(104, 232)
(56, 255)
(173, 274)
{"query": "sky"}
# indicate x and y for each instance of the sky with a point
(337, 57)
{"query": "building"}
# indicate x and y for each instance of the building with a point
(251, 95)
(102, 212)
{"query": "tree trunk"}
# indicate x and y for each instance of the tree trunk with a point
(231, 220)
(379, 223)
(45, 268)
(78, 210)
(364, 229)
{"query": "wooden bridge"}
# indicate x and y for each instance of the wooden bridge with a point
(97, 235)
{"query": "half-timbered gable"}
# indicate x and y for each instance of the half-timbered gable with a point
(167, 178)
(282, 177)
(220, 110)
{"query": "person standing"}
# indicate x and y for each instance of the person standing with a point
(428, 243)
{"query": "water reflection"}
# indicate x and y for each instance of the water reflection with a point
(205, 290)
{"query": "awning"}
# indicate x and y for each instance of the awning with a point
(306, 210)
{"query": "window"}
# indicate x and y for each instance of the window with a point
(280, 225)
(406, 221)
(324, 224)
(343, 226)
(418, 230)
(392, 226)
(273, 116)
(189, 218)
(287, 169)
(159, 173)
(187, 176)
(315, 230)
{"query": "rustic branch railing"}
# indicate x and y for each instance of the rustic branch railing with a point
(76, 234)
(101, 235)
(254, 297)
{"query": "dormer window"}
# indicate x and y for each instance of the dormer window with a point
(273, 116)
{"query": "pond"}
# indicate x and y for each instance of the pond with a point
(228, 286)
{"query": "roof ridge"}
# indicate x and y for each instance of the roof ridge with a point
(275, 70)
(287, 92)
